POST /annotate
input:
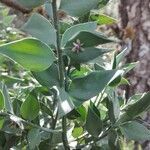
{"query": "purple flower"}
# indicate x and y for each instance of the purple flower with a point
(77, 46)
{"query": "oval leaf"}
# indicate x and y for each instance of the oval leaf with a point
(78, 7)
(135, 131)
(90, 26)
(88, 39)
(30, 4)
(40, 28)
(89, 86)
(34, 138)
(30, 108)
(49, 77)
(135, 109)
(88, 54)
(31, 53)
(77, 131)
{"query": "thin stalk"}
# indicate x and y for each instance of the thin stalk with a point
(61, 69)
(64, 134)
(54, 122)
(67, 77)
(58, 49)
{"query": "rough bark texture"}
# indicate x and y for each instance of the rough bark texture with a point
(135, 14)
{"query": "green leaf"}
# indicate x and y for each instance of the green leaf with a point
(88, 54)
(78, 113)
(65, 103)
(49, 9)
(16, 106)
(103, 19)
(43, 90)
(1, 100)
(124, 81)
(78, 7)
(98, 67)
(77, 131)
(113, 140)
(114, 64)
(30, 108)
(79, 73)
(135, 109)
(133, 99)
(64, 26)
(113, 106)
(93, 122)
(7, 102)
(40, 28)
(120, 56)
(115, 82)
(48, 77)
(130, 66)
(31, 53)
(1, 122)
(89, 86)
(90, 26)
(103, 3)
(7, 20)
(135, 131)
(34, 138)
(88, 39)
(30, 4)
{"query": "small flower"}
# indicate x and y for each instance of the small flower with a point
(77, 46)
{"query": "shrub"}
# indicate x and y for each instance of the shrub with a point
(66, 95)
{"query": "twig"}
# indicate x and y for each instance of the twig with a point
(61, 69)
(16, 6)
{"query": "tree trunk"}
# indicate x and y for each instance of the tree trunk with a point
(135, 15)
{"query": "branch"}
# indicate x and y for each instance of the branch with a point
(61, 70)
(58, 49)
(16, 6)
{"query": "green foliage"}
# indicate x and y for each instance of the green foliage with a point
(6, 98)
(1, 100)
(40, 28)
(48, 77)
(93, 121)
(129, 130)
(72, 31)
(30, 108)
(135, 109)
(7, 32)
(79, 7)
(30, 4)
(28, 53)
(64, 74)
(34, 138)
(89, 86)
(103, 19)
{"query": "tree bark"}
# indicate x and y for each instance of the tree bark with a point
(135, 15)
